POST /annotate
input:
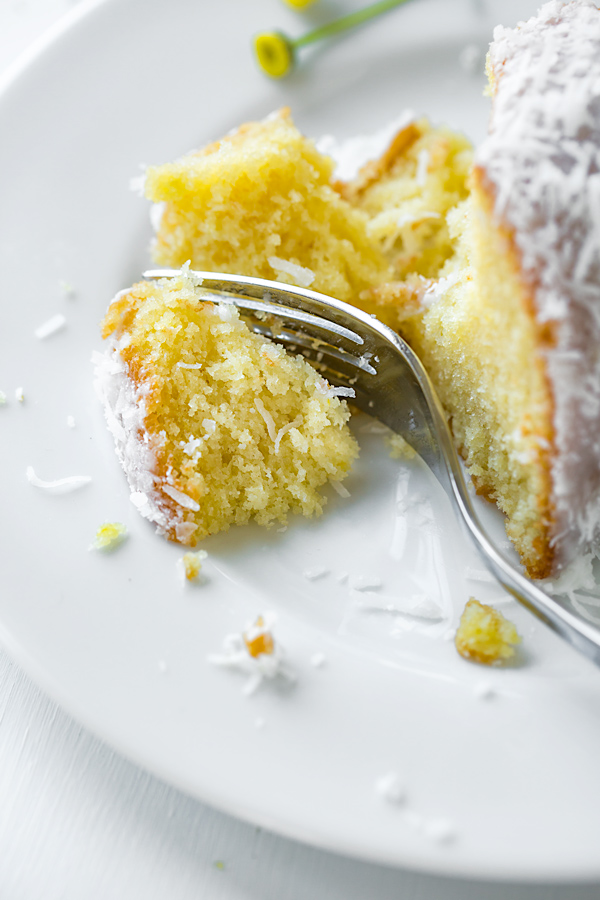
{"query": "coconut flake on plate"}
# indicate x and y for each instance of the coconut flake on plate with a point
(478, 574)
(439, 830)
(339, 488)
(365, 582)
(391, 788)
(58, 485)
(315, 572)
(51, 326)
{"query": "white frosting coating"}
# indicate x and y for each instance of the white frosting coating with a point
(542, 160)
(125, 411)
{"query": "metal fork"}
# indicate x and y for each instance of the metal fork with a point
(354, 349)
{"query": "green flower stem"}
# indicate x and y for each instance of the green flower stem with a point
(346, 22)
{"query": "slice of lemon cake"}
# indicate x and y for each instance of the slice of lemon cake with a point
(214, 425)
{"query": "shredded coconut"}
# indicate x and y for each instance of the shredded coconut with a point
(340, 489)
(438, 289)
(422, 167)
(284, 429)
(58, 485)
(478, 574)
(300, 275)
(365, 582)
(441, 831)
(181, 498)
(391, 788)
(316, 572)
(54, 324)
(543, 167)
(268, 418)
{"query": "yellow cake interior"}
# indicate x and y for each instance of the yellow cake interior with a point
(484, 635)
(258, 197)
(407, 194)
(480, 344)
(239, 428)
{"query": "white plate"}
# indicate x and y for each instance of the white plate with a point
(515, 776)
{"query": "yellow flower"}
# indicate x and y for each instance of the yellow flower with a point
(299, 4)
(274, 52)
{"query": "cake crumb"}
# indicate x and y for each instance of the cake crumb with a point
(258, 639)
(398, 447)
(3, 398)
(70, 422)
(190, 564)
(484, 635)
(19, 394)
(109, 536)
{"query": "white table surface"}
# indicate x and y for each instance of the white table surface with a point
(78, 822)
